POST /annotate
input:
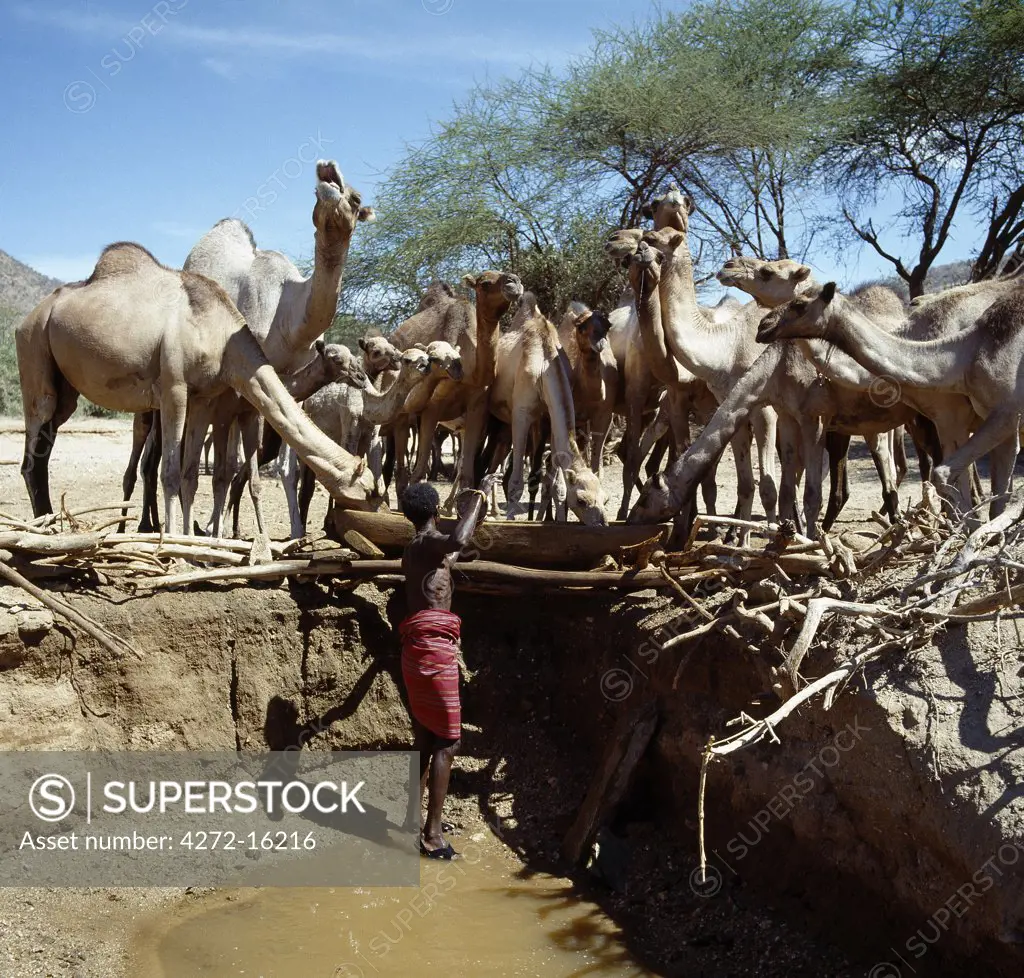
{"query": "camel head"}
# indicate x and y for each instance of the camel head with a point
(771, 283)
(805, 317)
(495, 291)
(584, 493)
(414, 365)
(591, 330)
(655, 504)
(340, 364)
(645, 267)
(671, 210)
(363, 492)
(339, 208)
(379, 355)
(445, 358)
(622, 244)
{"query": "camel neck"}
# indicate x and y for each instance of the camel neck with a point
(648, 311)
(383, 405)
(307, 381)
(933, 363)
(486, 345)
(706, 349)
(322, 289)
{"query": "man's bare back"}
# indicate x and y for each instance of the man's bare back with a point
(428, 559)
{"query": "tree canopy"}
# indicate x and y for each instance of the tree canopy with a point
(782, 118)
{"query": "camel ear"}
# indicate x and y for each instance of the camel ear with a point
(828, 293)
(320, 347)
(801, 273)
(362, 343)
(367, 214)
(359, 469)
(647, 211)
(419, 346)
(570, 476)
(691, 206)
(469, 281)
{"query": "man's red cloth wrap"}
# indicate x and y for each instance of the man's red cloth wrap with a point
(430, 667)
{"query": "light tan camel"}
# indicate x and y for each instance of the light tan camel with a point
(807, 404)
(583, 334)
(982, 362)
(532, 378)
(474, 331)
(772, 283)
(286, 311)
(642, 372)
(716, 352)
(187, 344)
(350, 415)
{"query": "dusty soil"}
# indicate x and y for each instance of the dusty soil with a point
(862, 861)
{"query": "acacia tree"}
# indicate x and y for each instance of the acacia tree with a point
(531, 174)
(932, 117)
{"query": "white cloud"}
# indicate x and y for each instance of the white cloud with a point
(68, 268)
(384, 49)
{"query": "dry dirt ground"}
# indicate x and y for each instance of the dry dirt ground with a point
(89, 457)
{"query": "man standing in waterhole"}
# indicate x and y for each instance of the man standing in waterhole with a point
(430, 644)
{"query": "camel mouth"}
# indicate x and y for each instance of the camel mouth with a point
(512, 290)
(727, 277)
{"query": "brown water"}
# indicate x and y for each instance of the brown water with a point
(477, 917)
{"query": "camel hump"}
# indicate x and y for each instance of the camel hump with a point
(436, 292)
(121, 258)
(234, 223)
(1004, 319)
(205, 295)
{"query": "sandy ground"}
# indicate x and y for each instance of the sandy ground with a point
(89, 457)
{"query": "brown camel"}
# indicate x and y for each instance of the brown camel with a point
(474, 331)
(595, 375)
(533, 377)
(187, 346)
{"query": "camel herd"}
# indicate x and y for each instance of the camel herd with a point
(235, 339)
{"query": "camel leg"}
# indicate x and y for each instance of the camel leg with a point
(47, 406)
(631, 467)
(813, 431)
(1002, 460)
(142, 425)
(149, 467)
(764, 421)
(898, 448)
(881, 455)
(251, 432)
(598, 437)
(473, 436)
(837, 445)
(290, 480)
(926, 445)
(521, 424)
(999, 427)
(307, 487)
(173, 410)
(789, 442)
(222, 430)
(429, 420)
(744, 480)
(539, 439)
(197, 423)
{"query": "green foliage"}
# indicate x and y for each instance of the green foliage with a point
(530, 174)
(933, 113)
(10, 388)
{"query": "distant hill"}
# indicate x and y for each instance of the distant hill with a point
(939, 277)
(21, 287)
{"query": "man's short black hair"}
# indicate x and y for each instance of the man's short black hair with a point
(420, 503)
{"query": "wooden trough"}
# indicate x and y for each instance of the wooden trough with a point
(548, 545)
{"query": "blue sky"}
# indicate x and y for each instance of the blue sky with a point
(150, 121)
